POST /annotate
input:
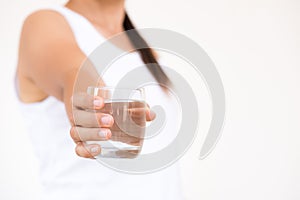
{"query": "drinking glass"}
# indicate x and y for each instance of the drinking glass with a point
(128, 108)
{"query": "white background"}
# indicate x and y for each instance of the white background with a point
(255, 45)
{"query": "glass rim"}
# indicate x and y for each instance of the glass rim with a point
(94, 90)
(115, 88)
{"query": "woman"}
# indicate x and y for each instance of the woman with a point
(54, 43)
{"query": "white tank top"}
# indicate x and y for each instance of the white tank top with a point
(63, 174)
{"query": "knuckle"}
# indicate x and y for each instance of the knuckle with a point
(81, 151)
(74, 134)
(71, 118)
(77, 150)
(72, 99)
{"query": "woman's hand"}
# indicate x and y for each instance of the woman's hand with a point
(89, 124)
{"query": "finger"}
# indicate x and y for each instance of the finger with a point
(79, 134)
(137, 112)
(86, 101)
(87, 151)
(150, 115)
(140, 112)
(92, 119)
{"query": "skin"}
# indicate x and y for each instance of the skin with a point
(45, 69)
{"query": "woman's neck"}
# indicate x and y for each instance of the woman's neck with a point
(106, 14)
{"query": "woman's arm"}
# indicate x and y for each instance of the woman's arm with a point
(49, 55)
(50, 59)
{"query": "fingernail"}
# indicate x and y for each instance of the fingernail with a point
(106, 119)
(103, 133)
(94, 149)
(97, 102)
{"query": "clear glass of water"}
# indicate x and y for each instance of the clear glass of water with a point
(128, 108)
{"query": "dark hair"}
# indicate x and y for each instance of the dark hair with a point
(145, 53)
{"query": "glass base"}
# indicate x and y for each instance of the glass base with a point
(115, 149)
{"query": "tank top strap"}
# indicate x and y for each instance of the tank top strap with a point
(86, 35)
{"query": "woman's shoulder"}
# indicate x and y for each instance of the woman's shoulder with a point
(45, 28)
(43, 33)
(42, 13)
(43, 21)
(46, 49)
